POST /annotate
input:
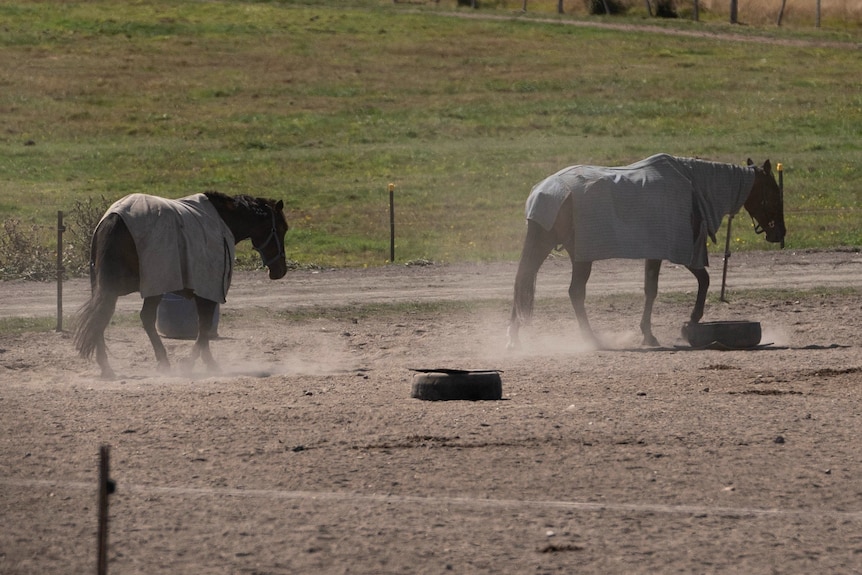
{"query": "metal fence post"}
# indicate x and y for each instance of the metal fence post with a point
(726, 258)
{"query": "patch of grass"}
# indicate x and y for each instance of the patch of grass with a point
(14, 325)
(324, 103)
(773, 295)
(790, 295)
(394, 310)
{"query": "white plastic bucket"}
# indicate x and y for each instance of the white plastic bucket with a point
(177, 317)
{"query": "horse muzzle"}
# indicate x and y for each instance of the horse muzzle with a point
(276, 272)
(774, 232)
(775, 236)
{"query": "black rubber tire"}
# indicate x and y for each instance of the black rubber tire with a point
(728, 334)
(469, 386)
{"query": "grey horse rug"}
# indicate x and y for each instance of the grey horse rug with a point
(645, 210)
(181, 244)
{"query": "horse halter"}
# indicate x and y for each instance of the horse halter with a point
(273, 236)
(772, 223)
(759, 229)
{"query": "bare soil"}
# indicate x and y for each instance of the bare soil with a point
(306, 454)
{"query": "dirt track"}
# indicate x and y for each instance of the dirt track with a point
(307, 455)
(466, 282)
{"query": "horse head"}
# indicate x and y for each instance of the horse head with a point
(267, 235)
(765, 203)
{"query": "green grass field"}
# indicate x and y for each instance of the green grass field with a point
(325, 103)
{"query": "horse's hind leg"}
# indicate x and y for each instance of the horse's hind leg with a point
(108, 305)
(578, 294)
(201, 348)
(651, 272)
(148, 319)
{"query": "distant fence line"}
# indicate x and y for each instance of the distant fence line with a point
(392, 219)
(771, 11)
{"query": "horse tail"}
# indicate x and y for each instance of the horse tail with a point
(525, 293)
(92, 319)
(537, 245)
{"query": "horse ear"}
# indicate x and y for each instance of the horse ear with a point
(279, 206)
(749, 163)
(767, 166)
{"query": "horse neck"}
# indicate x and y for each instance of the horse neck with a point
(755, 194)
(731, 174)
(713, 180)
(232, 214)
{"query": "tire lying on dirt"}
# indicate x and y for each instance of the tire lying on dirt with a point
(723, 334)
(451, 384)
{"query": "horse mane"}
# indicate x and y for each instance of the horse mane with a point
(250, 203)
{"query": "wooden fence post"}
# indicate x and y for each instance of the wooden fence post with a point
(391, 223)
(60, 271)
(106, 487)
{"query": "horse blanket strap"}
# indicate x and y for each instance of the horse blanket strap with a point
(663, 207)
(182, 244)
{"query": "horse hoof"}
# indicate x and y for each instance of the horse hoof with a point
(650, 341)
(108, 374)
(186, 365)
(594, 344)
(685, 331)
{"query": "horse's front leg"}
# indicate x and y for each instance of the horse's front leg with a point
(578, 294)
(201, 348)
(513, 338)
(148, 319)
(651, 273)
(702, 287)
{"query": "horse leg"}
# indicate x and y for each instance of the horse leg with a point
(537, 245)
(651, 272)
(201, 348)
(702, 286)
(578, 294)
(148, 319)
(106, 311)
(113, 272)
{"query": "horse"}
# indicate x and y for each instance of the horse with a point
(154, 246)
(595, 213)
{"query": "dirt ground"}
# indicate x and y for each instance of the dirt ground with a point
(308, 455)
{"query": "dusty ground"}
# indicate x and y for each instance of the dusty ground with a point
(307, 455)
